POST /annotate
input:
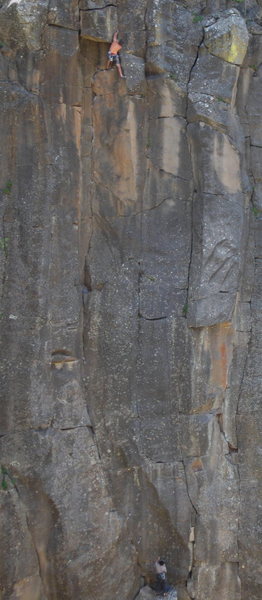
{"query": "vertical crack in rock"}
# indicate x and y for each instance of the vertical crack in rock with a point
(145, 27)
(98, 8)
(238, 517)
(4, 253)
(187, 488)
(244, 371)
(40, 572)
(139, 333)
(190, 73)
(216, 367)
(87, 278)
(191, 541)
(195, 190)
(31, 534)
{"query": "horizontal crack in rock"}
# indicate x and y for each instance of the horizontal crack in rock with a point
(151, 318)
(97, 9)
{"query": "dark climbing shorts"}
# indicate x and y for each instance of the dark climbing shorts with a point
(113, 58)
(162, 584)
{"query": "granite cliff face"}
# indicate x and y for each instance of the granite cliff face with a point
(131, 280)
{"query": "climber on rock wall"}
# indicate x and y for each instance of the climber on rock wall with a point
(113, 54)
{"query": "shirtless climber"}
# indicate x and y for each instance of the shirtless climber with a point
(113, 54)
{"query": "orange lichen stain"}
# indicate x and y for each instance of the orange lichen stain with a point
(220, 348)
(60, 362)
(204, 408)
(77, 126)
(124, 167)
(35, 80)
(61, 111)
(115, 146)
(226, 163)
(223, 364)
(197, 465)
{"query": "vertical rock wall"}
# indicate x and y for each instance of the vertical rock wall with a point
(131, 290)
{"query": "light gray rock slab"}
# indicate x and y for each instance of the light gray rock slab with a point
(166, 98)
(134, 70)
(24, 20)
(147, 593)
(168, 145)
(99, 25)
(221, 81)
(162, 284)
(216, 161)
(228, 38)
(131, 25)
(224, 580)
(214, 274)
(254, 102)
(210, 110)
(194, 435)
(168, 49)
(256, 157)
(64, 13)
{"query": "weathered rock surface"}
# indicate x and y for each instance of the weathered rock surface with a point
(147, 593)
(130, 260)
(227, 37)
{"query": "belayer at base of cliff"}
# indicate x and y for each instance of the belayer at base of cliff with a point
(162, 585)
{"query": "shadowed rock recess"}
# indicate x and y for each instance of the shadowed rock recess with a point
(131, 285)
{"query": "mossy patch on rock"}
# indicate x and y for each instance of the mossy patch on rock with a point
(228, 38)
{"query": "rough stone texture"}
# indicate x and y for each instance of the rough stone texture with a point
(147, 593)
(227, 37)
(100, 24)
(131, 274)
